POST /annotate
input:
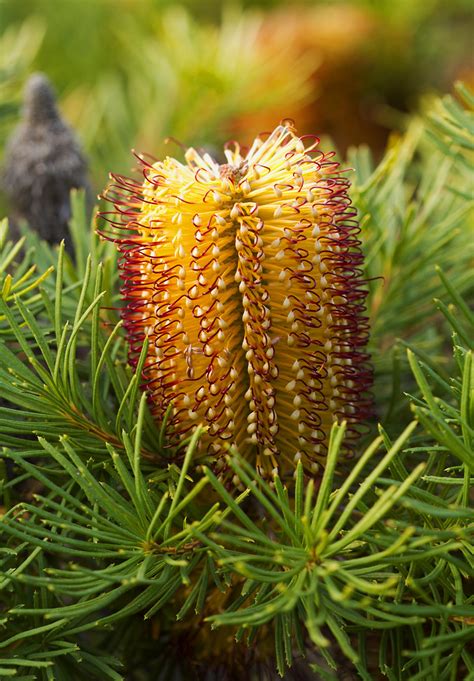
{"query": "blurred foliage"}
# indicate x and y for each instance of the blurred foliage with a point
(130, 73)
(18, 48)
(134, 78)
(373, 59)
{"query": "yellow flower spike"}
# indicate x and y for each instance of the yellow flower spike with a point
(245, 278)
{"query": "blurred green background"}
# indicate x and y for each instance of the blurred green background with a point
(130, 73)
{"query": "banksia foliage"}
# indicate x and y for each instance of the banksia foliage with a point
(245, 280)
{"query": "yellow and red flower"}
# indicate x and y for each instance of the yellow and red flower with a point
(245, 277)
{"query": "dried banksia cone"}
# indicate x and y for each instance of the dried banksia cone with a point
(245, 279)
(43, 162)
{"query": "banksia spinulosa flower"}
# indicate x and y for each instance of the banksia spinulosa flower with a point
(245, 279)
(43, 162)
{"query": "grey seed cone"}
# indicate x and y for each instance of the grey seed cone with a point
(43, 162)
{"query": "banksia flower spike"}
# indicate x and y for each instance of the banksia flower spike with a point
(245, 279)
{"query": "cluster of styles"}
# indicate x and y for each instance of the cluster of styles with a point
(245, 280)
